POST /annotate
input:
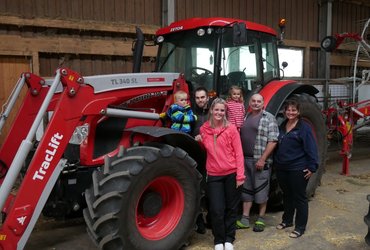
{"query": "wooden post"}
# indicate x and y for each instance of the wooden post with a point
(35, 63)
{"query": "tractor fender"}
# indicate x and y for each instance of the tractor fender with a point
(176, 139)
(276, 92)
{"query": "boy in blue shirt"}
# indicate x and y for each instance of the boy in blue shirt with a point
(180, 113)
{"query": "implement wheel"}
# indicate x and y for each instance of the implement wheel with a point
(146, 199)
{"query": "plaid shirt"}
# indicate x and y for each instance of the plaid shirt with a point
(268, 131)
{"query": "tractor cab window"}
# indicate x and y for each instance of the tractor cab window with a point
(199, 53)
(239, 65)
(189, 53)
(269, 58)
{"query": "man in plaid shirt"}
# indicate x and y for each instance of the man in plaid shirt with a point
(259, 136)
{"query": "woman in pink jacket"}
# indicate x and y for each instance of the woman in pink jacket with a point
(225, 173)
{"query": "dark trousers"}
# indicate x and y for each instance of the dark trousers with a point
(224, 199)
(295, 199)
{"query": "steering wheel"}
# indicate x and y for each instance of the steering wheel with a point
(194, 73)
(200, 79)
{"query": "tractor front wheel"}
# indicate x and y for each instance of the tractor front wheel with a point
(148, 198)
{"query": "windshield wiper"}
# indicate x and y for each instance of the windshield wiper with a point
(167, 57)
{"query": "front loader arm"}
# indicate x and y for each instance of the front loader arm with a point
(35, 96)
(46, 164)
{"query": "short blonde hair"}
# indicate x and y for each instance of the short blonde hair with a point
(180, 94)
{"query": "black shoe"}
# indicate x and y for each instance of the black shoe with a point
(185, 245)
(201, 229)
(200, 225)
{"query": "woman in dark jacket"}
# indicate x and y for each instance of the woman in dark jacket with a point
(295, 159)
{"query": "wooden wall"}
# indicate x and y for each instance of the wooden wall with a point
(301, 15)
(91, 34)
(124, 11)
(302, 27)
(8, 78)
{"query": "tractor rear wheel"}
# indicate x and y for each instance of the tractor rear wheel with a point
(311, 113)
(148, 198)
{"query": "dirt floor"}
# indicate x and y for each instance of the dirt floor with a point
(336, 219)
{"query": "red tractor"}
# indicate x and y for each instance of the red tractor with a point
(107, 154)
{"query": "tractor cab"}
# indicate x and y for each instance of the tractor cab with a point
(218, 53)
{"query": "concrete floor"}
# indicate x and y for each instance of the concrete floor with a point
(335, 219)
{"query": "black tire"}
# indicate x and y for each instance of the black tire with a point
(311, 112)
(329, 43)
(148, 198)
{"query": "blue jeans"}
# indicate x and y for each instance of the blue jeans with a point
(293, 185)
(224, 200)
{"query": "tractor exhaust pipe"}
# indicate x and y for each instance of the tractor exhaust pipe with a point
(138, 50)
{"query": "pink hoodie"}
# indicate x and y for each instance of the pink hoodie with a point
(224, 151)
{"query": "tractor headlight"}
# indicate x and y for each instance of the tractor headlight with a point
(209, 31)
(160, 39)
(80, 134)
(201, 32)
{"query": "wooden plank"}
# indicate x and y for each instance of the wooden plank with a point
(17, 45)
(35, 63)
(80, 25)
(347, 61)
(301, 44)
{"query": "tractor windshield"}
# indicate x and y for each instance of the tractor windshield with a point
(209, 58)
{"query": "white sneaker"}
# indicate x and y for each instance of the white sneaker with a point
(219, 247)
(229, 246)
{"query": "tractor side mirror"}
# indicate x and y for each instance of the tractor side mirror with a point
(239, 34)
